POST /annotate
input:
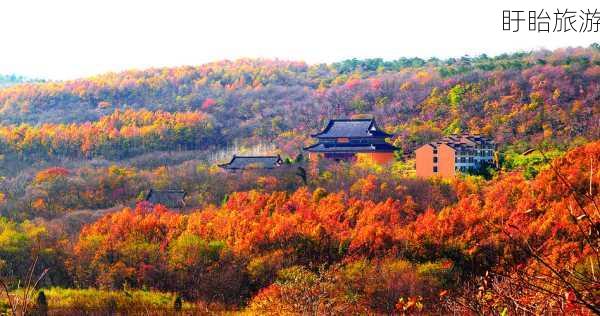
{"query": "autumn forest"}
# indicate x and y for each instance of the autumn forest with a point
(313, 237)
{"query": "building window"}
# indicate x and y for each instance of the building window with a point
(435, 169)
(435, 159)
(435, 151)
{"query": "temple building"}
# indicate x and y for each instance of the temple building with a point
(240, 163)
(454, 154)
(348, 139)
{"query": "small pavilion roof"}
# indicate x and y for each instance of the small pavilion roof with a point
(257, 162)
(168, 198)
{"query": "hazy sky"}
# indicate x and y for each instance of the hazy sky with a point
(63, 39)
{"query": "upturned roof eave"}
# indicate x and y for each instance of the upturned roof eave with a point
(383, 134)
(313, 148)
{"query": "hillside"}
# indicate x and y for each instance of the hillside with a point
(78, 158)
(355, 241)
(521, 98)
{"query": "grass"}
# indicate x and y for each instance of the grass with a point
(106, 300)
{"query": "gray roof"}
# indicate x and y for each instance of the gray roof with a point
(351, 128)
(463, 141)
(258, 162)
(350, 148)
(168, 198)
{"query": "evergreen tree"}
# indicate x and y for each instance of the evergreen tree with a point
(41, 304)
(177, 304)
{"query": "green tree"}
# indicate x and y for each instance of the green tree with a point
(456, 95)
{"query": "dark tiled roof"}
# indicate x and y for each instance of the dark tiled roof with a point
(350, 148)
(351, 128)
(259, 162)
(463, 141)
(168, 198)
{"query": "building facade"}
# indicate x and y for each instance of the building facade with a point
(348, 139)
(454, 154)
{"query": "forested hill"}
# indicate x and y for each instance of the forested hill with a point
(520, 97)
(78, 158)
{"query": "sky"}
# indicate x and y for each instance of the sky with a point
(68, 39)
